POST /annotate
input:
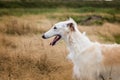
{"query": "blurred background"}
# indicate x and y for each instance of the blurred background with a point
(24, 55)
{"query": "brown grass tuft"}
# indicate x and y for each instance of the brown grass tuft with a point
(16, 26)
(46, 66)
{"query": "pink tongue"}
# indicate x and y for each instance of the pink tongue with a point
(54, 40)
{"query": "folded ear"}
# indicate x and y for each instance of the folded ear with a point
(71, 26)
(71, 19)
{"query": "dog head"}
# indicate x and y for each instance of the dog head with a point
(60, 30)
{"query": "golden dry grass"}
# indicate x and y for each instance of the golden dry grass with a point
(105, 33)
(24, 55)
(29, 57)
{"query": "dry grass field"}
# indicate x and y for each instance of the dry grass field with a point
(24, 55)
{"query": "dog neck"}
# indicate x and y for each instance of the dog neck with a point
(77, 42)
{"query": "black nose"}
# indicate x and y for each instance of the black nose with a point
(43, 37)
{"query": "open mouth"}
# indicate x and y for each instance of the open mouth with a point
(56, 39)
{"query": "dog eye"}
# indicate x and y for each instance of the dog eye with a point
(55, 28)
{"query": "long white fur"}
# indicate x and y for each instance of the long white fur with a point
(85, 63)
(90, 59)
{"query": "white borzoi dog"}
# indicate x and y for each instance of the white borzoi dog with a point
(91, 60)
